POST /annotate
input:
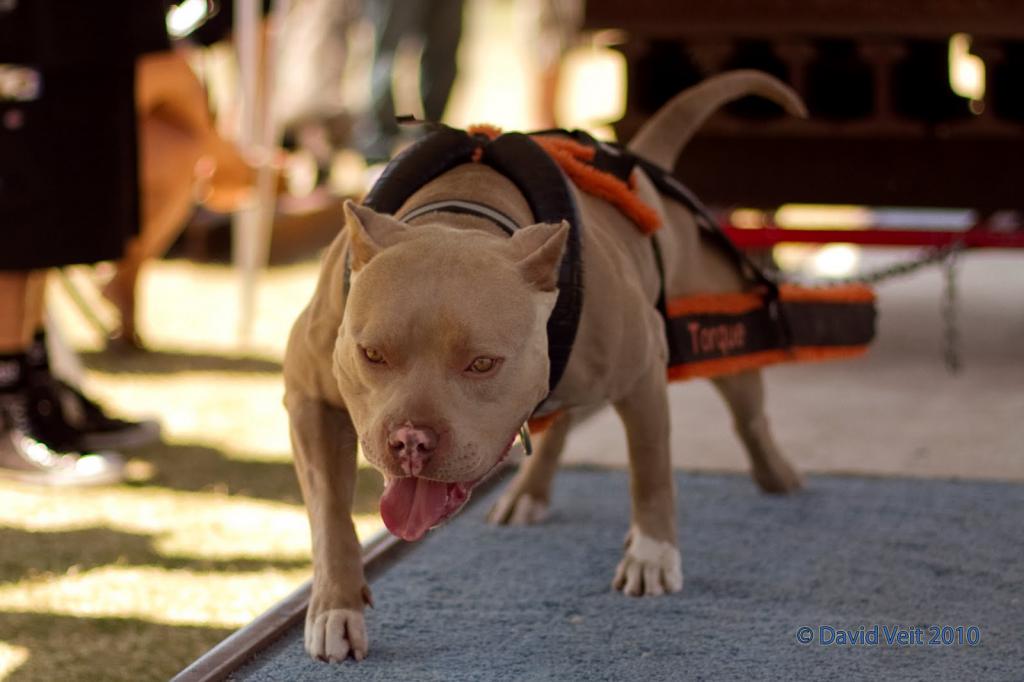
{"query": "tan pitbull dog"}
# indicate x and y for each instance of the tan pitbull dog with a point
(438, 354)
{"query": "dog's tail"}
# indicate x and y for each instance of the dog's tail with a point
(662, 138)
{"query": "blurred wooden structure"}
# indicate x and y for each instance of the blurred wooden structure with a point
(886, 129)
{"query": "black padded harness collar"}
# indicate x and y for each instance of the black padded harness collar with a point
(537, 177)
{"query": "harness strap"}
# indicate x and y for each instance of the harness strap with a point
(441, 150)
(662, 303)
(670, 186)
(620, 162)
(546, 190)
(608, 158)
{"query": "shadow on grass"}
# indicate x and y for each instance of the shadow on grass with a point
(198, 468)
(73, 649)
(29, 554)
(173, 362)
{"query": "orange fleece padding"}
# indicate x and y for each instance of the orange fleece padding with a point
(740, 303)
(541, 424)
(841, 293)
(720, 366)
(742, 363)
(725, 304)
(574, 157)
(485, 129)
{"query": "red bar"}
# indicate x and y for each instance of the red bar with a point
(974, 238)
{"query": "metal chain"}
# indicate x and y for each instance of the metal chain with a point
(951, 332)
(946, 255)
(928, 257)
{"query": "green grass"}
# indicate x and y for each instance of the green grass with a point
(134, 581)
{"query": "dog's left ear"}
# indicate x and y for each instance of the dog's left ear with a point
(537, 251)
(369, 232)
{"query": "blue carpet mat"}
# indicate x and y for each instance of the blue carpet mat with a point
(473, 602)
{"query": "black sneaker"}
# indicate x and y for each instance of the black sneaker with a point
(26, 458)
(93, 428)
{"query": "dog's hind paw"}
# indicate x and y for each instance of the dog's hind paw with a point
(333, 635)
(650, 567)
(514, 509)
(777, 478)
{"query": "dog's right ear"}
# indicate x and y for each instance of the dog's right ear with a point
(537, 251)
(369, 232)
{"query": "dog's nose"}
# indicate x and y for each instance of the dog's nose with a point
(412, 446)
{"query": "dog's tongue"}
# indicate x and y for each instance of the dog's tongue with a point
(410, 506)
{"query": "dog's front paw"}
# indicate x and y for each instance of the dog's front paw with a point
(517, 509)
(649, 568)
(335, 627)
(333, 634)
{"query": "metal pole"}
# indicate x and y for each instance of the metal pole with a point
(244, 223)
(260, 136)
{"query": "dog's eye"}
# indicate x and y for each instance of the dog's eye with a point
(482, 365)
(373, 356)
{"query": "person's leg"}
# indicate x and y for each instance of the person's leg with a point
(178, 145)
(32, 327)
(391, 20)
(34, 441)
(442, 31)
(35, 303)
(549, 80)
(13, 370)
(558, 23)
(21, 310)
(59, 414)
(13, 313)
(308, 96)
(13, 340)
(168, 154)
(313, 49)
(21, 319)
